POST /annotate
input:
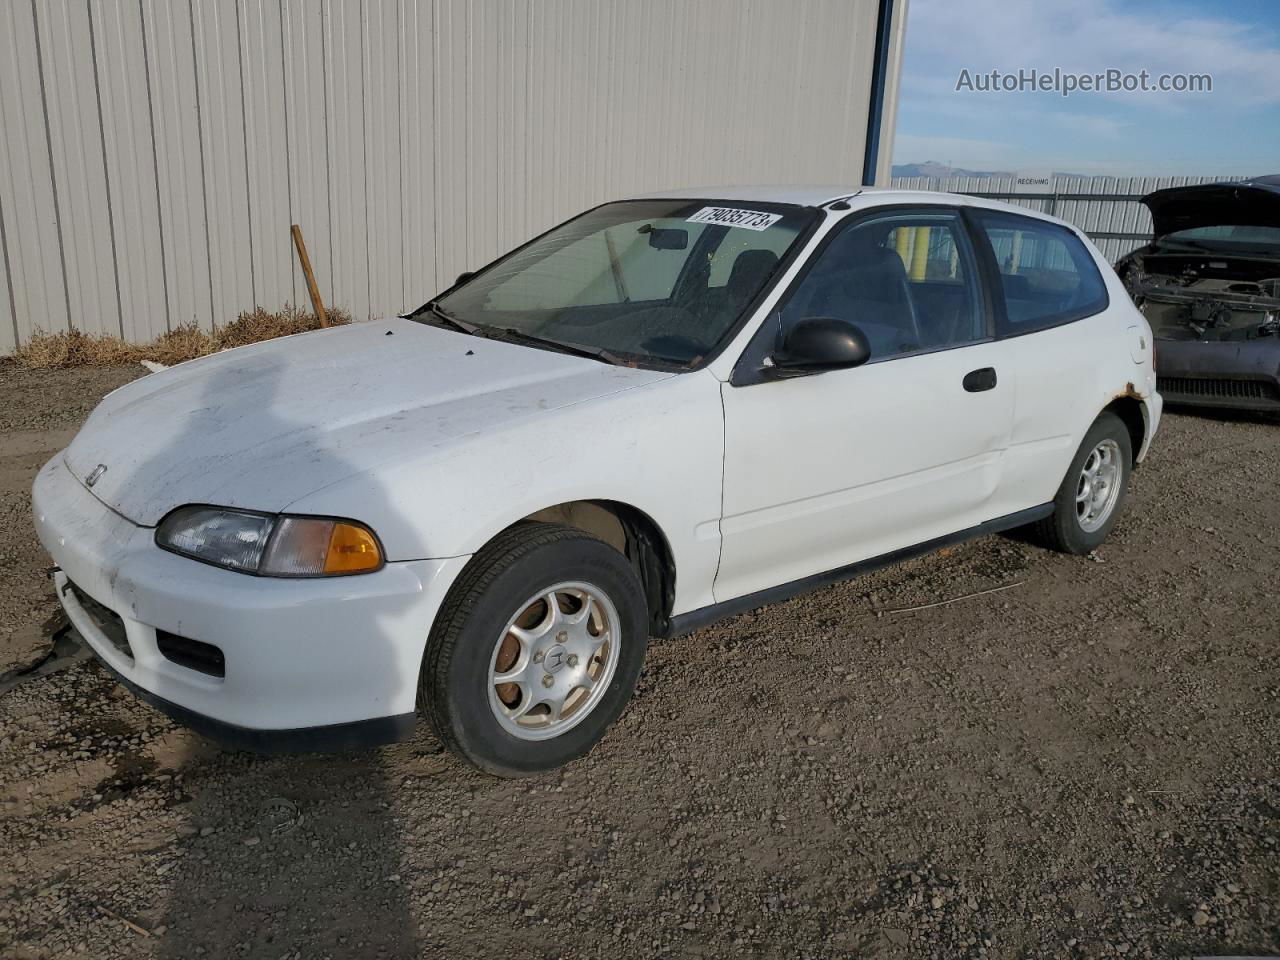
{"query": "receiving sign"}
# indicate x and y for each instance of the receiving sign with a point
(735, 217)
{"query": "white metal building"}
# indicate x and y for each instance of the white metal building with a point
(153, 153)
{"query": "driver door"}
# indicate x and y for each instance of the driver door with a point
(832, 468)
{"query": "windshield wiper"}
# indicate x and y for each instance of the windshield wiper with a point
(444, 317)
(513, 335)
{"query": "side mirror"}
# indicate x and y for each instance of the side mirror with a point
(464, 276)
(815, 344)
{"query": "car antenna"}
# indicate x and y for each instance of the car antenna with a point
(841, 203)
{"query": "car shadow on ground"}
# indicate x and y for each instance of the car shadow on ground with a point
(290, 856)
(304, 859)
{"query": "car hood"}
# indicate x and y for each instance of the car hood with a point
(262, 426)
(1249, 203)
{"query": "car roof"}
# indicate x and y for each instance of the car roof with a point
(805, 196)
(820, 195)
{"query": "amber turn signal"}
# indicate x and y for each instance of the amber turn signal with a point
(352, 549)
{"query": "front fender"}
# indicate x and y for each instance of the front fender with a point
(658, 448)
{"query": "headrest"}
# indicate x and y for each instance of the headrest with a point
(749, 272)
(880, 260)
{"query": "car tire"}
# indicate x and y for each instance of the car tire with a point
(499, 604)
(1083, 514)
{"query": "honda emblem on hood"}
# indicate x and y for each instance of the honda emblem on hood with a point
(98, 471)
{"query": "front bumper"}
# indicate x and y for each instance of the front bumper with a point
(328, 738)
(307, 664)
(1241, 375)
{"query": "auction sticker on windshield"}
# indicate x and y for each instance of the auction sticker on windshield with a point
(733, 217)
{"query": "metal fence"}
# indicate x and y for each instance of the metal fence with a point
(1108, 209)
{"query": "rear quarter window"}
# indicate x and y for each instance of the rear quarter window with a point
(1047, 276)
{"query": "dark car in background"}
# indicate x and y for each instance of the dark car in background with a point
(1209, 285)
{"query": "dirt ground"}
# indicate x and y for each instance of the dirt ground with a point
(1085, 764)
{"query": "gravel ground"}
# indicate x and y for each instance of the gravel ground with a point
(1082, 765)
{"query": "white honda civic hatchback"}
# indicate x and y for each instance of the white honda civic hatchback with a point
(660, 413)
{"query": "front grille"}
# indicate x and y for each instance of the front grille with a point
(192, 654)
(1205, 388)
(108, 621)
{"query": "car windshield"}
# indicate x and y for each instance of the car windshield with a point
(1225, 236)
(642, 281)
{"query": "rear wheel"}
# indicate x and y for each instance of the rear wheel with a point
(535, 651)
(1092, 494)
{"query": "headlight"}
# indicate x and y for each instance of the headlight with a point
(270, 545)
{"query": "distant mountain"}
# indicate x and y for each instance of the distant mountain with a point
(931, 168)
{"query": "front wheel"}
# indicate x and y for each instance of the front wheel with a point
(535, 651)
(1089, 501)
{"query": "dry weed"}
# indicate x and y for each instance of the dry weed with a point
(74, 348)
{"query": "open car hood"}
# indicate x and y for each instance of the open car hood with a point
(1249, 203)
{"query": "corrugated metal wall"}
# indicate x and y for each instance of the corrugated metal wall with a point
(155, 151)
(1101, 216)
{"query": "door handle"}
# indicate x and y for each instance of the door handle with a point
(975, 381)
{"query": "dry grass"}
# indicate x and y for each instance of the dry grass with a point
(46, 351)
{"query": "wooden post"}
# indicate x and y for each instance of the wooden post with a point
(316, 303)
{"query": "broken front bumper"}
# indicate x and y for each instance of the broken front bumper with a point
(252, 661)
(1242, 375)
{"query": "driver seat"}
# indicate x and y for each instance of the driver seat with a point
(867, 286)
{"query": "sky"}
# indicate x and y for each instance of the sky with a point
(1233, 130)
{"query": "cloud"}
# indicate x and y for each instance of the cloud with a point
(1089, 36)
(1235, 129)
(1092, 124)
(968, 152)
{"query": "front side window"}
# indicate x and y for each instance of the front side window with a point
(908, 281)
(1046, 273)
(646, 280)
